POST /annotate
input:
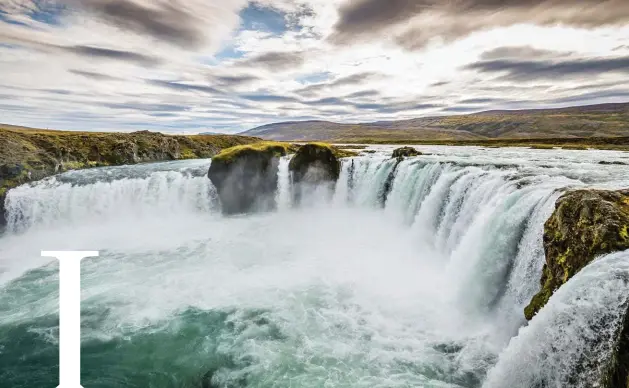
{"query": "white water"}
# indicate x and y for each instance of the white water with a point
(119, 193)
(284, 197)
(578, 327)
(424, 286)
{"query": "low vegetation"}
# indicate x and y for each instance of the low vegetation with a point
(542, 147)
(276, 148)
(602, 143)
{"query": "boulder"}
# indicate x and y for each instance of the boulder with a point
(405, 152)
(246, 177)
(586, 224)
(315, 163)
(11, 171)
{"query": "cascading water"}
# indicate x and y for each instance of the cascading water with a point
(411, 274)
(284, 197)
(104, 194)
(573, 337)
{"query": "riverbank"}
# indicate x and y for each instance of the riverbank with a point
(28, 154)
(578, 143)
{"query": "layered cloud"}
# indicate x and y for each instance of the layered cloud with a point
(229, 65)
(416, 22)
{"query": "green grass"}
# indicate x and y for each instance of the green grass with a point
(603, 143)
(277, 148)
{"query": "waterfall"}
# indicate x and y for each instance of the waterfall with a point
(103, 194)
(571, 340)
(284, 197)
(480, 220)
(412, 273)
(485, 222)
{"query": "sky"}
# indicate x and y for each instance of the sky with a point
(189, 66)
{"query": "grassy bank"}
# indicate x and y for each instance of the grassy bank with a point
(604, 143)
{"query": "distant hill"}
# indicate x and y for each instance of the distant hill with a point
(604, 120)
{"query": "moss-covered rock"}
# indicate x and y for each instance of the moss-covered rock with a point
(315, 163)
(586, 224)
(405, 152)
(246, 176)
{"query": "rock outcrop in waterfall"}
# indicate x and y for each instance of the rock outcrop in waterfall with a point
(314, 165)
(405, 152)
(587, 224)
(246, 176)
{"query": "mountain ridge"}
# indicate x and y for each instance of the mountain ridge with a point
(600, 120)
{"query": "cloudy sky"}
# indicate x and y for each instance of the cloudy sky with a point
(229, 65)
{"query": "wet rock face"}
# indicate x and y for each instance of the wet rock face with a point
(586, 224)
(405, 152)
(313, 166)
(246, 179)
(315, 163)
(138, 150)
(3, 218)
(11, 171)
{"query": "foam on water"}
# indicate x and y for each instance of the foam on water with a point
(100, 195)
(410, 274)
(571, 340)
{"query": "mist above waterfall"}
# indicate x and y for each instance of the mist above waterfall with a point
(409, 274)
